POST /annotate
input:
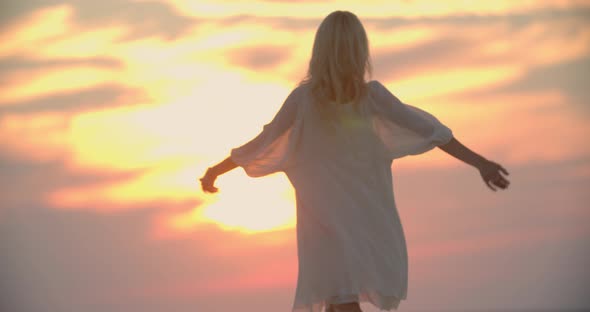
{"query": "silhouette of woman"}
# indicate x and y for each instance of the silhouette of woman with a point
(335, 137)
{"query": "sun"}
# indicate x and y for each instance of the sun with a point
(244, 204)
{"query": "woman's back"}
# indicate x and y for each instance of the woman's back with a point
(351, 245)
(349, 138)
(381, 130)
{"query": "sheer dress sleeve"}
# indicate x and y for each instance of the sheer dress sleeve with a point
(272, 150)
(405, 129)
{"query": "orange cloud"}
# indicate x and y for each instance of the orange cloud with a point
(213, 9)
(204, 82)
(38, 27)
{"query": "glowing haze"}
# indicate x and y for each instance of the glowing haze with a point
(110, 111)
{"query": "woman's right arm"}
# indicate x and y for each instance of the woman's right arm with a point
(489, 170)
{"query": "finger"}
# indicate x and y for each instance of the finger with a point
(505, 183)
(210, 189)
(495, 183)
(504, 170)
(496, 186)
(493, 177)
(489, 185)
(500, 184)
(205, 187)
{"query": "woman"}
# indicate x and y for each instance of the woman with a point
(335, 138)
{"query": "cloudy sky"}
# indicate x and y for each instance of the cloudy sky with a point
(111, 110)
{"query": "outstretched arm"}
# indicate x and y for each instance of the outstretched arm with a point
(489, 170)
(212, 173)
(261, 155)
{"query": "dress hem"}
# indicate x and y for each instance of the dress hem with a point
(382, 302)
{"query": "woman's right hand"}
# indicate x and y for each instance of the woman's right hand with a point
(208, 181)
(490, 172)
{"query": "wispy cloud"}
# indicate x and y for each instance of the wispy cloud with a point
(260, 57)
(95, 98)
(144, 18)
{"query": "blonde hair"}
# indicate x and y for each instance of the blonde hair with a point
(339, 61)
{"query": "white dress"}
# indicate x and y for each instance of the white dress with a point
(350, 241)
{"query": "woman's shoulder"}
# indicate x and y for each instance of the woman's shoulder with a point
(297, 92)
(376, 89)
(300, 88)
(375, 85)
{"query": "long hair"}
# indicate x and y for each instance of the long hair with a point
(339, 61)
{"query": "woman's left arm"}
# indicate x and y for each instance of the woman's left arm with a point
(208, 180)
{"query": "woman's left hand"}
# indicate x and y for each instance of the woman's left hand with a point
(490, 172)
(207, 182)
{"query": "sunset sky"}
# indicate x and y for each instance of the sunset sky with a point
(110, 111)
